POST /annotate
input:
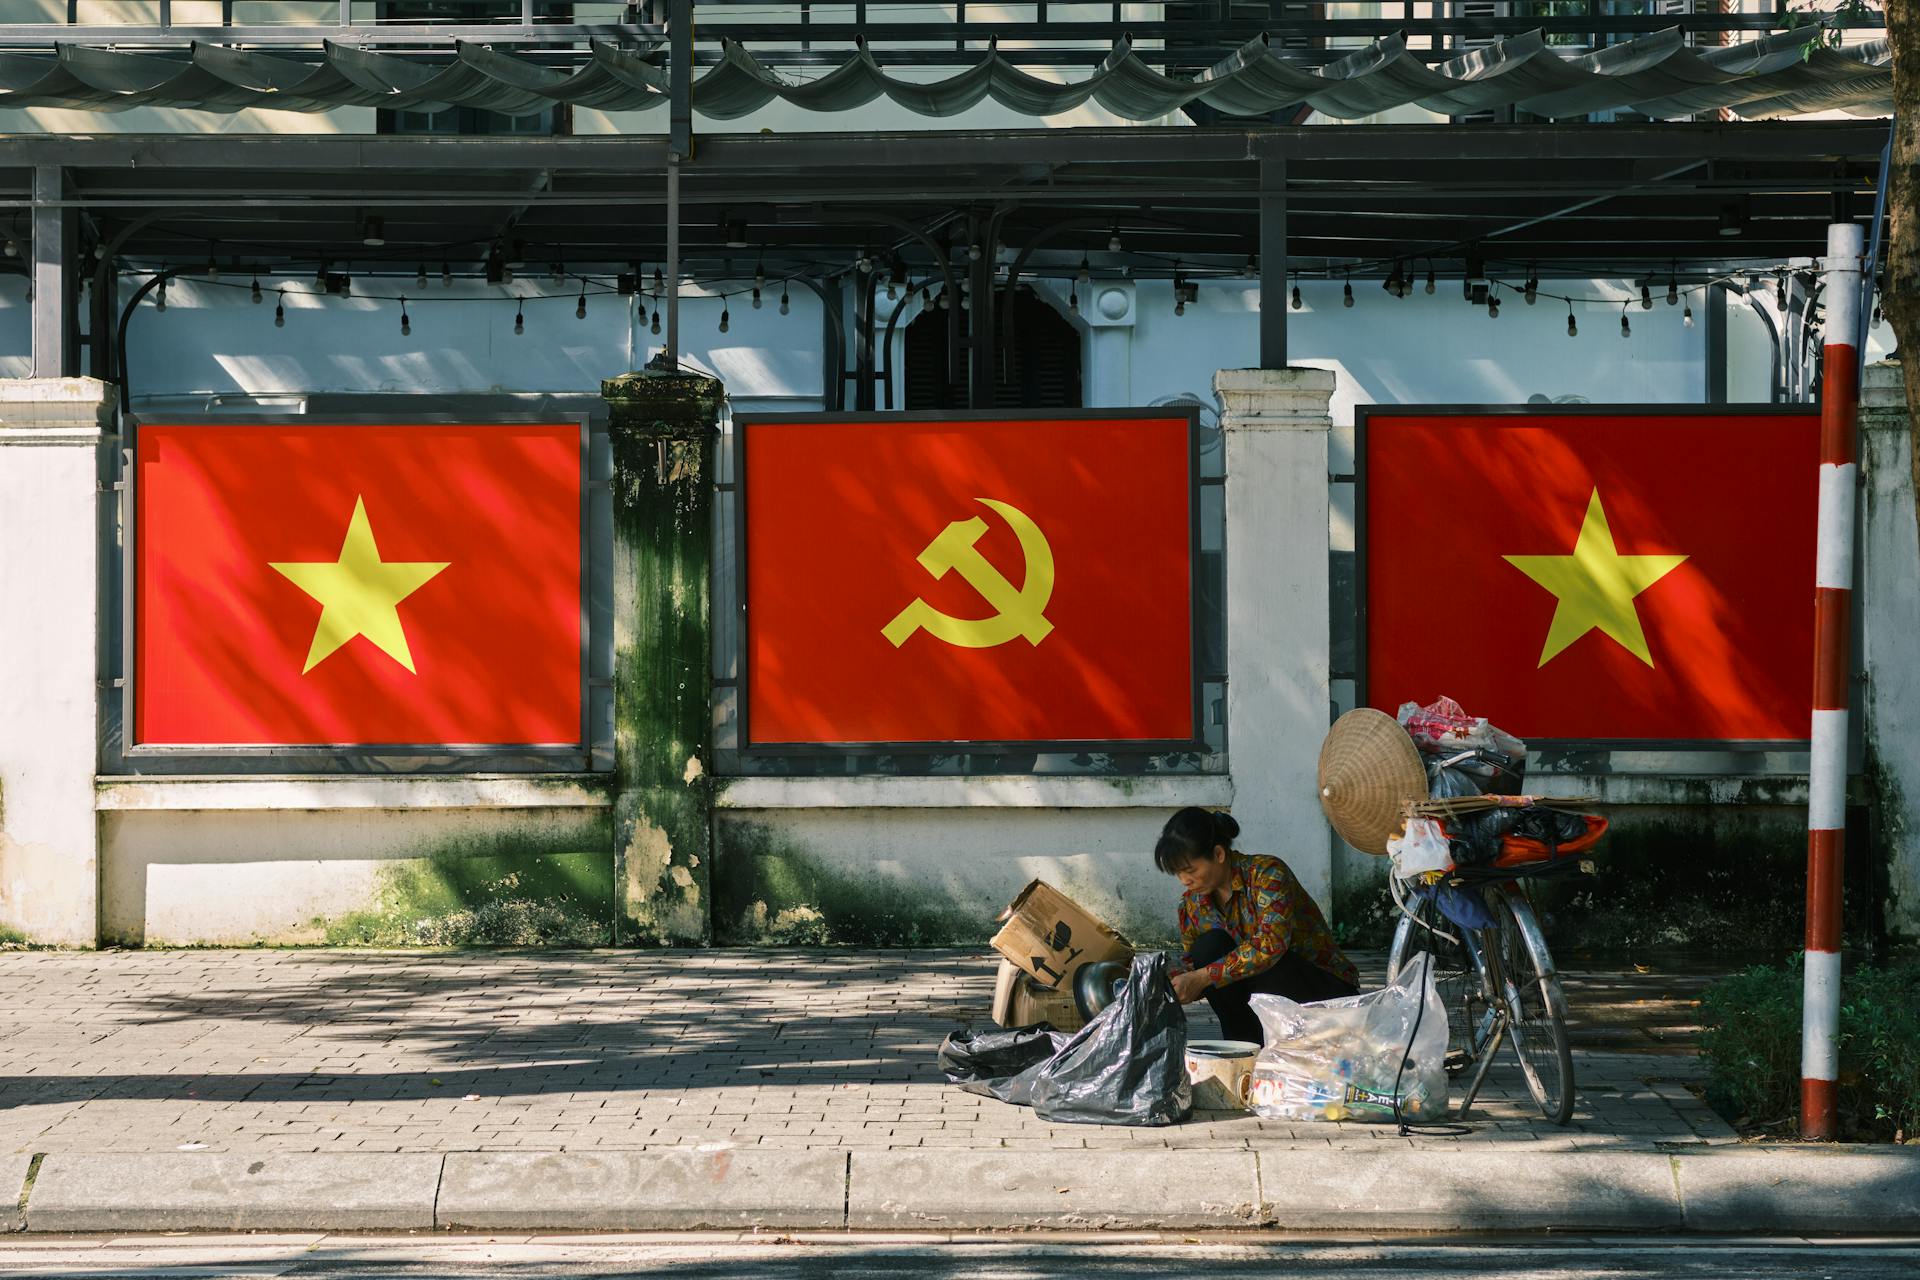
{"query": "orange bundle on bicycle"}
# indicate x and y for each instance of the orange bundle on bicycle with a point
(1519, 850)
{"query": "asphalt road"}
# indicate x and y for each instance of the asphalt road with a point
(931, 1258)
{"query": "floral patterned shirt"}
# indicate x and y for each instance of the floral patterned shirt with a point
(1269, 914)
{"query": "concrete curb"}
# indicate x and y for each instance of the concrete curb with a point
(681, 1190)
(13, 1182)
(1784, 1189)
(1059, 1189)
(208, 1191)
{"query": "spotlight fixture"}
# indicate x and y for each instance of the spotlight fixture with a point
(1733, 220)
(737, 233)
(373, 231)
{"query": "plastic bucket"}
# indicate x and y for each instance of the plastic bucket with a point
(1221, 1072)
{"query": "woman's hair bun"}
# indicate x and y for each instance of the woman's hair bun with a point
(1225, 828)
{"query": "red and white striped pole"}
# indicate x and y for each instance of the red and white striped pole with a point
(1832, 612)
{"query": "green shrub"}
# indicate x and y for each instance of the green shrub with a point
(1751, 1040)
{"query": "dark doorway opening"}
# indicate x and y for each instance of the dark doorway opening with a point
(1038, 359)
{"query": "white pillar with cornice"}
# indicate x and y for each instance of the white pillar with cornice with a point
(51, 434)
(1276, 423)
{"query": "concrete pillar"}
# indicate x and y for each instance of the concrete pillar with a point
(1109, 310)
(1889, 619)
(663, 427)
(51, 464)
(1276, 423)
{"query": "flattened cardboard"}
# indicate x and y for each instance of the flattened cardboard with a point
(1048, 936)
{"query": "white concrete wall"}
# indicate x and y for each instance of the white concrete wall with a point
(1889, 618)
(50, 441)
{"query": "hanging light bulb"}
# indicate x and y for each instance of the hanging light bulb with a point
(926, 296)
(1296, 297)
(1573, 330)
(1686, 316)
(1646, 297)
(1780, 290)
(946, 299)
(893, 291)
(406, 321)
(254, 292)
(1085, 277)
(1626, 329)
(783, 298)
(966, 298)
(725, 319)
(557, 272)
(519, 318)
(640, 315)
(1429, 276)
(1493, 306)
(160, 295)
(1533, 288)
(420, 276)
(1876, 315)
(280, 309)
(1179, 303)
(320, 274)
(446, 276)
(659, 283)
(213, 268)
(1252, 268)
(580, 307)
(1391, 285)
(1673, 289)
(655, 326)
(1113, 241)
(760, 275)
(1346, 299)
(756, 295)
(1073, 299)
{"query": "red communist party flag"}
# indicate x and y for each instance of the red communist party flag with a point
(1603, 575)
(918, 581)
(348, 584)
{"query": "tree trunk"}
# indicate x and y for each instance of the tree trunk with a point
(1901, 298)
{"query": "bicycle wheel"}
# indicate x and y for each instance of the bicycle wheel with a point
(1535, 1004)
(1459, 974)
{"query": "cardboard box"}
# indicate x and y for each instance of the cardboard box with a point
(1049, 937)
(1019, 1002)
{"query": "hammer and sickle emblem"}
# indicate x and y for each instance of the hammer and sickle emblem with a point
(1017, 612)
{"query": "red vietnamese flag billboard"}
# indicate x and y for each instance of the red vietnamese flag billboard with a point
(1593, 574)
(314, 583)
(969, 579)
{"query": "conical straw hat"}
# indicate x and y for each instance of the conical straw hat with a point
(1369, 770)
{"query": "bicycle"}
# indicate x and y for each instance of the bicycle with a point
(1497, 982)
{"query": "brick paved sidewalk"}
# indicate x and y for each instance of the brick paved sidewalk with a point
(265, 1051)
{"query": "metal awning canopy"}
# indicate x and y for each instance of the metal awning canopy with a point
(1648, 201)
(1658, 75)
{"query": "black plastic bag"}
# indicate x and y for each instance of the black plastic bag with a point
(1476, 838)
(1127, 1066)
(1000, 1064)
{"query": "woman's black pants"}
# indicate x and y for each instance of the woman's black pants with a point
(1296, 979)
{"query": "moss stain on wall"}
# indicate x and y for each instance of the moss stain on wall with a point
(502, 890)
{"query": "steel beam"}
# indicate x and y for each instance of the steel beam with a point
(55, 227)
(1273, 264)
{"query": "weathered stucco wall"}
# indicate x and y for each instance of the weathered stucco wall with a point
(384, 877)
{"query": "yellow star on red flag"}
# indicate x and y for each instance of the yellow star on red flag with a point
(360, 592)
(1596, 586)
